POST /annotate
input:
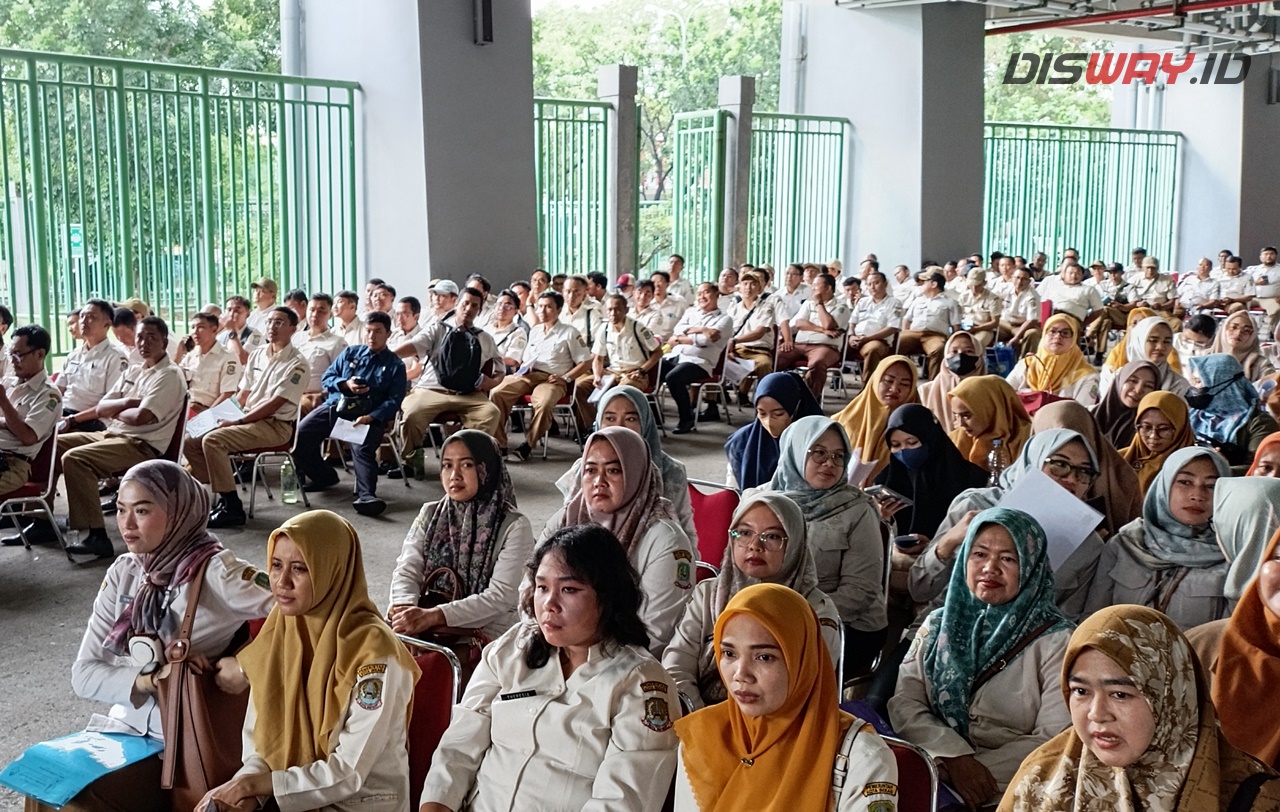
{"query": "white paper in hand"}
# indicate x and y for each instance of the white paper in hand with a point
(1067, 521)
(207, 420)
(859, 470)
(349, 432)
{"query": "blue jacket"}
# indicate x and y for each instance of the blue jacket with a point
(382, 371)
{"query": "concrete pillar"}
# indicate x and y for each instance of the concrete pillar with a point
(916, 165)
(447, 134)
(738, 98)
(617, 86)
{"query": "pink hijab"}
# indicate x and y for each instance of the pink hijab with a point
(642, 500)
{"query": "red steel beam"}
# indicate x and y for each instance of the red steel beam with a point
(1180, 9)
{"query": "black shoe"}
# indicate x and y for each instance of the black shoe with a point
(226, 516)
(711, 414)
(109, 505)
(685, 428)
(108, 486)
(244, 472)
(38, 532)
(554, 431)
(523, 451)
(96, 543)
(1097, 359)
(396, 472)
(317, 487)
(333, 462)
(369, 507)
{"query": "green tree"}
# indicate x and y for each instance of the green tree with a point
(1078, 104)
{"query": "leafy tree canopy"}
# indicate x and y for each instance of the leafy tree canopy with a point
(1079, 104)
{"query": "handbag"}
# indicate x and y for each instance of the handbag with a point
(352, 406)
(442, 585)
(202, 724)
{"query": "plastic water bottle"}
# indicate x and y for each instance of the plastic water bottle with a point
(288, 484)
(997, 461)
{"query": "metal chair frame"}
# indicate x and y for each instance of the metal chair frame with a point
(276, 456)
(38, 504)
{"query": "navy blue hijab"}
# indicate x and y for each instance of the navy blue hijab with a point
(752, 451)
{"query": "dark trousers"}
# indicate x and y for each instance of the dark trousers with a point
(88, 425)
(678, 376)
(314, 430)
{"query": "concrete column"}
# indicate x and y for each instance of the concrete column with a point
(738, 97)
(916, 155)
(617, 86)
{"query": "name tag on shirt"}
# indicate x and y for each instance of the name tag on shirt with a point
(517, 695)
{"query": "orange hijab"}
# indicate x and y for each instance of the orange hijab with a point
(1249, 671)
(995, 405)
(791, 751)
(865, 418)
(1269, 442)
(1049, 372)
(1119, 354)
(1146, 463)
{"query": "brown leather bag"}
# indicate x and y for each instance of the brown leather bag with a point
(202, 724)
(466, 643)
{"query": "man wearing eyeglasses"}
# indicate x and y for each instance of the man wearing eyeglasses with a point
(270, 391)
(92, 367)
(30, 407)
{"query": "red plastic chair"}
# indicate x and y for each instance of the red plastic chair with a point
(917, 777)
(704, 571)
(34, 496)
(432, 708)
(712, 515)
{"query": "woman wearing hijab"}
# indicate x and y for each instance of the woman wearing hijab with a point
(626, 406)
(1058, 366)
(962, 357)
(1144, 734)
(139, 609)
(567, 710)
(1225, 410)
(767, 545)
(781, 399)
(843, 529)
(1168, 558)
(1064, 456)
(620, 490)
(1162, 426)
(1150, 339)
(330, 686)
(1266, 460)
(1237, 336)
(978, 688)
(864, 419)
(1119, 354)
(1115, 491)
(781, 742)
(1118, 409)
(476, 533)
(986, 409)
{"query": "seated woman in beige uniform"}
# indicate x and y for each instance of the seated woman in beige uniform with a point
(161, 516)
(1168, 558)
(781, 743)
(567, 710)
(330, 686)
(979, 687)
(1058, 367)
(1144, 734)
(767, 545)
(473, 538)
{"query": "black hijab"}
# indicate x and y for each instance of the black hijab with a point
(932, 485)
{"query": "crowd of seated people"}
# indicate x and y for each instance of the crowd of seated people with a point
(1122, 671)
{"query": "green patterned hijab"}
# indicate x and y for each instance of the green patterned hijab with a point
(969, 635)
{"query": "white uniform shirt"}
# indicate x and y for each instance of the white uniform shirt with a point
(1000, 286)
(233, 592)
(352, 332)
(493, 609)
(88, 374)
(250, 338)
(270, 374)
(680, 289)
(789, 301)
(367, 766)
(659, 319)
(1233, 287)
(980, 308)
(1109, 290)
(1083, 391)
(870, 317)
(510, 340)
(525, 738)
(626, 349)
(1193, 291)
(937, 314)
(161, 389)
(40, 404)
(703, 352)
(257, 319)
(555, 349)
(587, 320)
(210, 374)
(1154, 291)
(1018, 307)
(319, 352)
(1259, 272)
(838, 311)
(399, 337)
(748, 319)
(1077, 300)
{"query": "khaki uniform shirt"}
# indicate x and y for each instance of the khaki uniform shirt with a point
(269, 374)
(250, 339)
(660, 320)
(870, 317)
(626, 349)
(555, 349)
(210, 374)
(980, 308)
(161, 389)
(1154, 291)
(40, 404)
(352, 333)
(935, 315)
(587, 320)
(748, 319)
(319, 352)
(88, 374)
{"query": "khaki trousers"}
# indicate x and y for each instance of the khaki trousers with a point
(209, 457)
(1024, 346)
(542, 395)
(926, 342)
(87, 456)
(422, 407)
(761, 358)
(872, 353)
(15, 477)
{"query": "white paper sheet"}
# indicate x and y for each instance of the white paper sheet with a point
(349, 432)
(859, 470)
(736, 370)
(207, 420)
(605, 383)
(1067, 521)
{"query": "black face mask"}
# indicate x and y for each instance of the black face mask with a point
(1200, 397)
(962, 364)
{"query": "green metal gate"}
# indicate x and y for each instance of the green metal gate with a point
(571, 154)
(698, 192)
(795, 211)
(1101, 191)
(175, 184)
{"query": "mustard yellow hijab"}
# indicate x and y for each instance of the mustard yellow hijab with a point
(1146, 463)
(1119, 354)
(995, 405)
(1049, 372)
(303, 669)
(865, 418)
(791, 751)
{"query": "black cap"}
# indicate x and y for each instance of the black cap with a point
(1115, 267)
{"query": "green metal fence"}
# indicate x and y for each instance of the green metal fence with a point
(1101, 191)
(795, 210)
(697, 192)
(175, 184)
(571, 154)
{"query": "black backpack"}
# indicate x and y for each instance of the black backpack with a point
(458, 361)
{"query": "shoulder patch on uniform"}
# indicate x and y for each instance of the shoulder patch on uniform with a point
(248, 574)
(828, 622)
(880, 806)
(231, 368)
(295, 377)
(262, 579)
(369, 693)
(684, 569)
(879, 788)
(653, 686)
(52, 404)
(368, 670)
(657, 716)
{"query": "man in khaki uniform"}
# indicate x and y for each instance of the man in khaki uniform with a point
(269, 393)
(142, 410)
(213, 373)
(237, 334)
(30, 406)
(319, 346)
(93, 366)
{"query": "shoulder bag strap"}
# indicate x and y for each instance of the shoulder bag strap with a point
(1247, 792)
(1006, 658)
(176, 657)
(840, 772)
